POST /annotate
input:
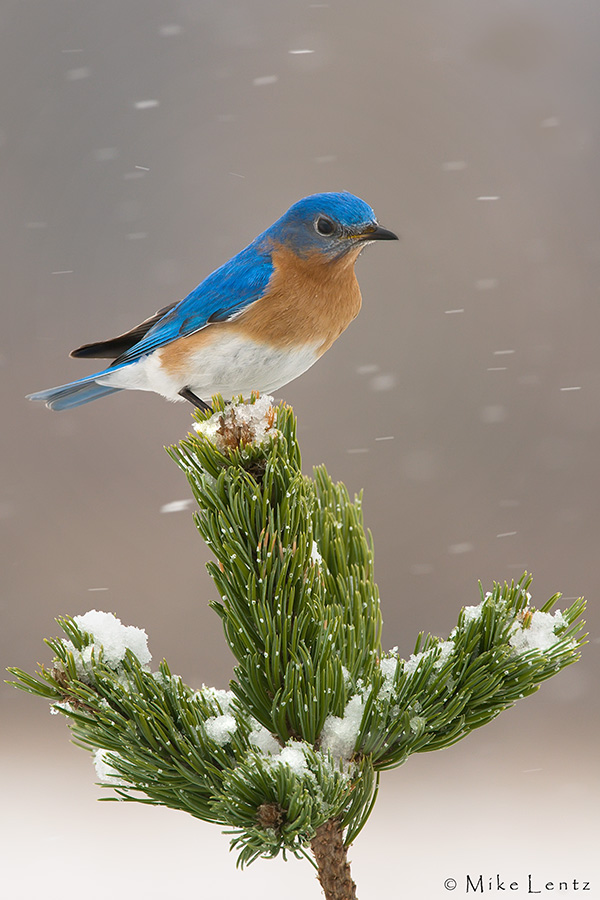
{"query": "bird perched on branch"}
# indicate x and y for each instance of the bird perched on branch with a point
(254, 324)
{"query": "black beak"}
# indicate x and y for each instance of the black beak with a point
(380, 234)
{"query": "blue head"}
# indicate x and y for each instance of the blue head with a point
(330, 224)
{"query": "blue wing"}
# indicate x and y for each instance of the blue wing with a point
(222, 295)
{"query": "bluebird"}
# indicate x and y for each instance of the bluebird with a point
(254, 324)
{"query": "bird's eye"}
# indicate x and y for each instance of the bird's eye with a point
(324, 226)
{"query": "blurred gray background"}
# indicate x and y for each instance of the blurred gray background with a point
(142, 143)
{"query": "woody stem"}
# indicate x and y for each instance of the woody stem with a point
(332, 861)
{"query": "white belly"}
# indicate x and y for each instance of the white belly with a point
(228, 366)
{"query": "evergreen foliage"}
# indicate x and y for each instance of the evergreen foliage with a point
(317, 709)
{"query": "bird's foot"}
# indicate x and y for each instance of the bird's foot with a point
(189, 395)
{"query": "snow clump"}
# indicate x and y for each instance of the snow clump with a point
(111, 637)
(537, 632)
(240, 423)
(340, 732)
(262, 738)
(104, 769)
(220, 729)
(445, 648)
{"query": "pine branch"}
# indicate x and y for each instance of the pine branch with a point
(331, 855)
(289, 758)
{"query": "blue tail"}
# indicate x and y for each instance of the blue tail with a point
(66, 396)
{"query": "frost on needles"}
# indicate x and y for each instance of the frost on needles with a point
(288, 759)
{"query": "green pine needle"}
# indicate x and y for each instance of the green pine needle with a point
(317, 709)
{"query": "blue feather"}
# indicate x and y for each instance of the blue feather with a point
(67, 396)
(223, 294)
(347, 209)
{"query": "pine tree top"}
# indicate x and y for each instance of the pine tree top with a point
(317, 708)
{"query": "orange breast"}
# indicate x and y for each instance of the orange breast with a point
(175, 356)
(308, 301)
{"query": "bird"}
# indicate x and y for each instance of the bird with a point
(254, 324)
